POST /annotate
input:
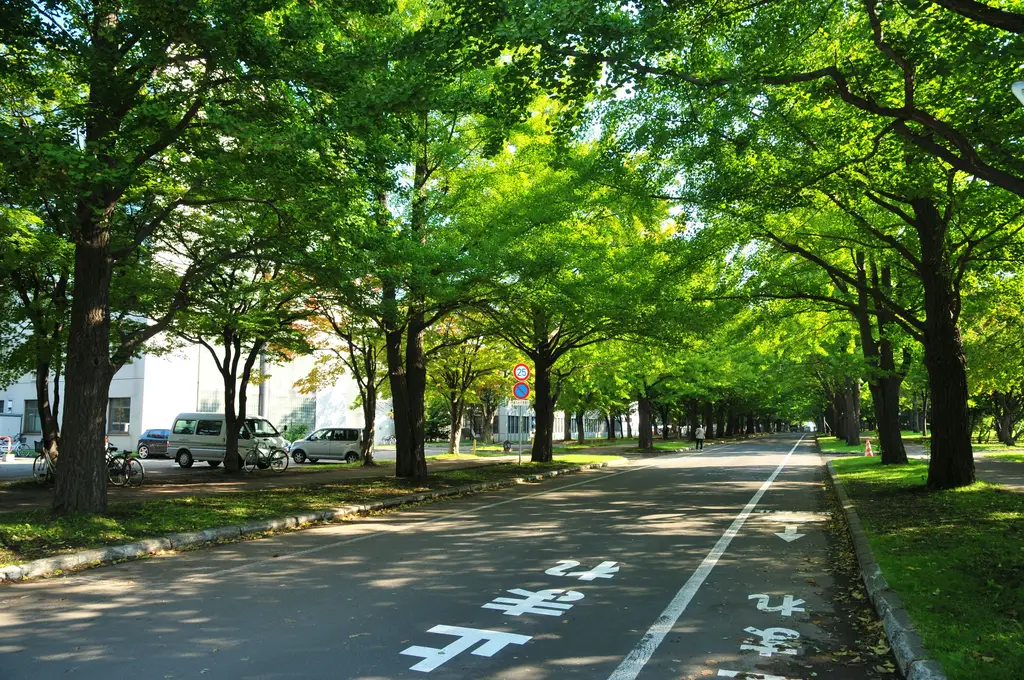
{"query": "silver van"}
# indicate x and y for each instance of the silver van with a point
(203, 436)
(344, 443)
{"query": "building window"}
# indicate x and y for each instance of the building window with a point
(119, 413)
(513, 425)
(32, 417)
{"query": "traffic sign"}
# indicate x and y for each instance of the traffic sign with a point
(521, 390)
(521, 372)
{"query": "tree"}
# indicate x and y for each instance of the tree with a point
(242, 312)
(113, 125)
(459, 362)
(355, 348)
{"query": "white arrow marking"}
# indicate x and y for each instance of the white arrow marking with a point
(790, 535)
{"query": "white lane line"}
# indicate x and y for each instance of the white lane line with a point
(387, 530)
(631, 666)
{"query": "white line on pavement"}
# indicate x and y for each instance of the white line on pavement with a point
(405, 527)
(631, 666)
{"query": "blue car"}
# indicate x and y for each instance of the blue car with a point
(153, 443)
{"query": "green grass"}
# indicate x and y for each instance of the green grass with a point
(1012, 457)
(955, 557)
(837, 445)
(32, 534)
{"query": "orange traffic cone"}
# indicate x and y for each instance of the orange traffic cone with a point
(867, 448)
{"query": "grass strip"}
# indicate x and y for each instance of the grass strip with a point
(839, 445)
(1012, 457)
(955, 557)
(33, 534)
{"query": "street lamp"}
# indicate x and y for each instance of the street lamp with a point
(1018, 89)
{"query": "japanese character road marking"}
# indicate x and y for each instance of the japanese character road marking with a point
(748, 675)
(546, 602)
(603, 570)
(772, 641)
(433, 657)
(788, 606)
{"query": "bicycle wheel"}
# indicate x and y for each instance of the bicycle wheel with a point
(40, 471)
(135, 472)
(117, 470)
(249, 464)
(278, 461)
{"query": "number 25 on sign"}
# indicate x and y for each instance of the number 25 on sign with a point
(521, 372)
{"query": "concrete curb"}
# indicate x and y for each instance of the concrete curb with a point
(911, 657)
(96, 557)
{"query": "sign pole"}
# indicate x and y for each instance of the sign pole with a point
(520, 435)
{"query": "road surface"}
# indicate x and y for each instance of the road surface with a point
(684, 566)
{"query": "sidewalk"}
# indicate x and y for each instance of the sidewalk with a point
(1004, 472)
(32, 496)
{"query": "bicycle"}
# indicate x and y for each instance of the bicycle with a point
(276, 460)
(124, 469)
(388, 439)
(44, 468)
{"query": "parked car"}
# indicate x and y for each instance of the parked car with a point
(341, 443)
(203, 436)
(153, 443)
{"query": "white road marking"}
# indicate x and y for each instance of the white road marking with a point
(547, 602)
(433, 657)
(386, 530)
(788, 606)
(772, 641)
(790, 535)
(748, 674)
(635, 661)
(603, 570)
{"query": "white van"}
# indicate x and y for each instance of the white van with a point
(203, 436)
(344, 443)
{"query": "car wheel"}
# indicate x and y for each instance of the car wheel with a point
(185, 459)
(213, 463)
(299, 457)
(351, 457)
(143, 451)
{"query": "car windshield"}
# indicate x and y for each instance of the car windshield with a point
(318, 435)
(261, 428)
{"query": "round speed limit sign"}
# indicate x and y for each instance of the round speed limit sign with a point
(521, 372)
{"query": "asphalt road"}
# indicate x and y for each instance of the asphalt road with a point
(671, 568)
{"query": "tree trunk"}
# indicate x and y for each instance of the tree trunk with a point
(581, 435)
(399, 402)
(884, 381)
(369, 419)
(455, 406)
(915, 420)
(691, 412)
(750, 424)
(952, 458)
(923, 420)
(610, 421)
(709, 420)
(664, 411)
(567, 426)
(415, 465)
(851, 395)
(81, 484)
(720, 418)
(646, 436)
(489, 409)
(544, 410)
(48, 415)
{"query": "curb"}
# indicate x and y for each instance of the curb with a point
(96, 557)
(911, 657)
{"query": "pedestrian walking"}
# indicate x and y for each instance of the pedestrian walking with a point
(699, 434)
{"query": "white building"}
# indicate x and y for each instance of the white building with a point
(149, 392)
